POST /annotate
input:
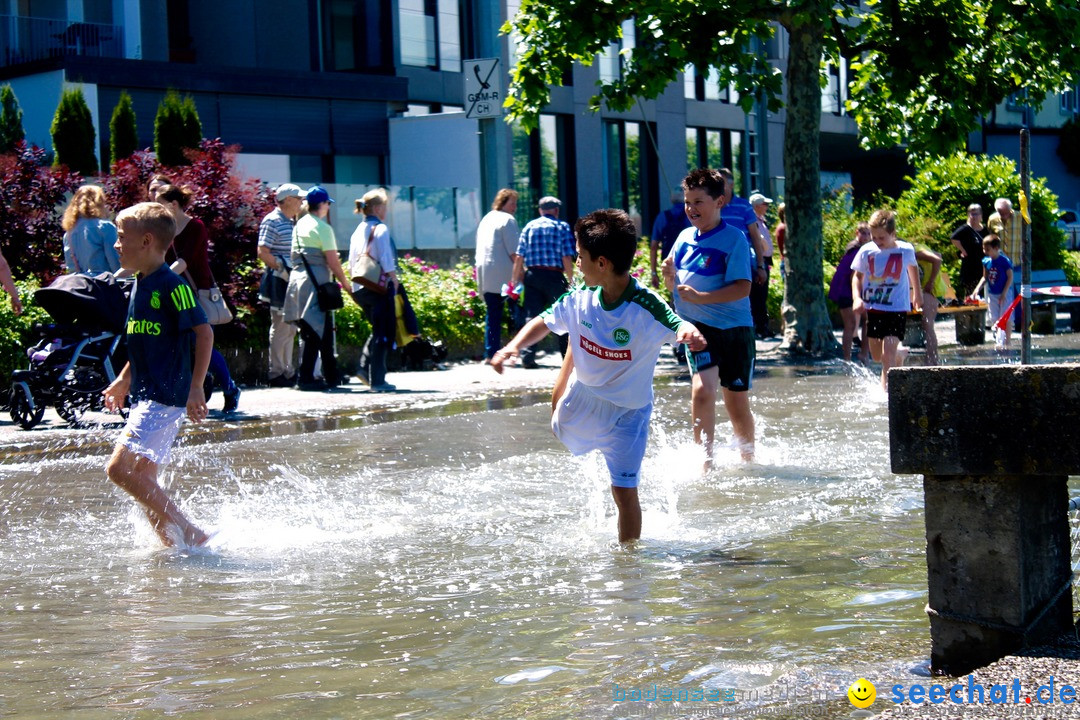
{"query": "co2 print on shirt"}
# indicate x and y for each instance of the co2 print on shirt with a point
(885, 276)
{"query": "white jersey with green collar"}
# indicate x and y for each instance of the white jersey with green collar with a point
(615, 348)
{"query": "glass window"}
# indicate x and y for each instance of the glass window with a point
(417, 34)
(693, 156)
(712, 85)
(512, 7)
(98, 12)
(342, 27)
(449, 35)
(1069, 101)
(689, 83)
(538, 158)
(624, 162)
(715, 148)
(549, 156)
(52, 9)
(613, 59)
(613, 162)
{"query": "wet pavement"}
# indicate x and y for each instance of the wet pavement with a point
(456, 387)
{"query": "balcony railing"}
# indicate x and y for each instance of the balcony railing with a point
(25, 39)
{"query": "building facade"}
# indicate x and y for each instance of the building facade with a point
(357, 93)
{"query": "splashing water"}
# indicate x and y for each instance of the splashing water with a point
(453, 567)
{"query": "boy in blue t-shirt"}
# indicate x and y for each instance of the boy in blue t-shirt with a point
(708, 272)
(998, 278)
(164, 324)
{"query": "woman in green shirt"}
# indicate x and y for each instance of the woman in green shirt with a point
(315, 243)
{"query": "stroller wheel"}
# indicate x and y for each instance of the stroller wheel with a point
(22, 414)
(71, 411)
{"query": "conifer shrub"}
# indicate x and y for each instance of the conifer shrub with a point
(73, 134)
(123, 132)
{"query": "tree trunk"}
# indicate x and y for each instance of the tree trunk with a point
(807, 328)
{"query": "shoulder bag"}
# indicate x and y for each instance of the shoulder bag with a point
(211, 301)
(327, 294)
(368, 271)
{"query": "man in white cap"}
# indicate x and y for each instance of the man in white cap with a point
(759, 292)
(275, 246)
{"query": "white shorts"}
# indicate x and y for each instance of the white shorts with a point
(585, 422)
(151, 429)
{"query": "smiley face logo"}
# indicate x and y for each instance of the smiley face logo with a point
(862, 693)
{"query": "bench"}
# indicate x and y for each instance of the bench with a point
(1046, 296)
(970, 325)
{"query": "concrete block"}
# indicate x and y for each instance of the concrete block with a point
(998, 555)
(992, 420)
(995, 446)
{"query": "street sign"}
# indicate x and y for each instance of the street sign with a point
(483, 88)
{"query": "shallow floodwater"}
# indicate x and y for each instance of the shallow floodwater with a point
(465, 566)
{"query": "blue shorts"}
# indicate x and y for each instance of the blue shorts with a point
(584, 422)
(151, 429)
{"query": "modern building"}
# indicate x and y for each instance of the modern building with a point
(355, 93)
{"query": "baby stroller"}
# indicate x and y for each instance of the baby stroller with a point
(78, 355)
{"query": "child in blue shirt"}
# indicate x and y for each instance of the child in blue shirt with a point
(165, 325)
(998, 278)
(708, 272)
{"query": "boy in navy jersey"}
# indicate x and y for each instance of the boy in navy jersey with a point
(165, 324)
(603, 396)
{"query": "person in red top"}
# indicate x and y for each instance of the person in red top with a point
(190, 255)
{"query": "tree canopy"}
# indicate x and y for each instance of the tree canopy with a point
(924, 71)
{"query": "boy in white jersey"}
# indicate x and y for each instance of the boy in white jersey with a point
(603, 396)
(885, 284)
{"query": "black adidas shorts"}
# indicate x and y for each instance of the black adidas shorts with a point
(732, 351)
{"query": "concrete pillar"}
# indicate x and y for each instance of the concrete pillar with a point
(995, 446)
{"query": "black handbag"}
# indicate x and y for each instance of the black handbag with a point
(327, 294)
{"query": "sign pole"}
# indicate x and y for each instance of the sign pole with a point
(1025, 248)
(484, 97)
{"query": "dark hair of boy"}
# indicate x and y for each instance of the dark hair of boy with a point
(711, 181)
(608, 233)
(992, 241)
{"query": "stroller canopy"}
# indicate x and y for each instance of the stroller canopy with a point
(92, 301)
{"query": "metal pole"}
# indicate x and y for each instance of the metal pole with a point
(1025, 250)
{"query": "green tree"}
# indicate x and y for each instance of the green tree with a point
(189, 114)
(123, 132)
(11, 127)
(73, 134)
(924, 71)
(176, 129)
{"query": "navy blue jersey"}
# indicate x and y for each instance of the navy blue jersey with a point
(160, 340)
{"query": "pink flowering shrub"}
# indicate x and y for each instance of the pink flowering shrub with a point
(446, 302)
(447, 305)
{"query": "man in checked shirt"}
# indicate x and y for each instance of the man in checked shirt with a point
(545, 264)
